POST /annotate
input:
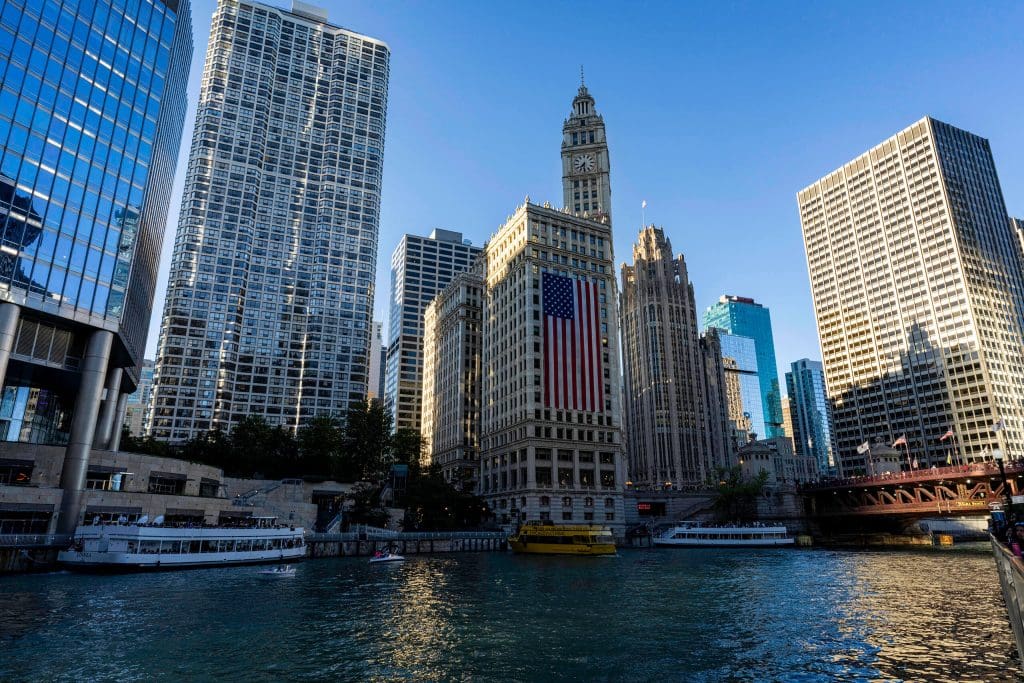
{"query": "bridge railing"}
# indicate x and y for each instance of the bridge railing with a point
(979, 469)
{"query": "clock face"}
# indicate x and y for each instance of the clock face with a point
(583, 163)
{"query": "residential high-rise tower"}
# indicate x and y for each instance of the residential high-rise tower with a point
(270, 298)
(420, 268)
(919, 297)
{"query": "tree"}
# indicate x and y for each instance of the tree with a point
(737, 495)
(321, 442)
(368, 440)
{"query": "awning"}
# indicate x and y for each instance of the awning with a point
(236, 513)
(106, 469)
(168, 475)
(25, 507)
(112, 510)
(179, 512)
(11, 462)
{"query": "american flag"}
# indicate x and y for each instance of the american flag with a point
(573, 373)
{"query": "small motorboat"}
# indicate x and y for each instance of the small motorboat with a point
(279, 571)
(388, 555)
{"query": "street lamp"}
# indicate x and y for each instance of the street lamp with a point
(997, 455)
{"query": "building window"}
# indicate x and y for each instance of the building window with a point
(567, 515)
(167, 485)
(609, 516)
(545, 501)
(16, 472)
(567, 502)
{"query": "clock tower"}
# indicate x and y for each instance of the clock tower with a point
(585, 167)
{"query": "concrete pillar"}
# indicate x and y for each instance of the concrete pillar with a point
(122, 408)
(9, 315)
(83, 428)
(108, 409)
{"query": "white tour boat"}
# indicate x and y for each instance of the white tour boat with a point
(129, 547)
(748, 536)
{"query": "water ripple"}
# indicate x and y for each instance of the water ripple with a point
(645, 615)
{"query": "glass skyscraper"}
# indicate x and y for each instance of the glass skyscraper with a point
(92, 106)
(811, 414)
(270, 297)
(742, 384)
(745, 317)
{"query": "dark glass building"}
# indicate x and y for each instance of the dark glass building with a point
(92, 106)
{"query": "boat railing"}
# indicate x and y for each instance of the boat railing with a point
(34, 540)
(349, 536)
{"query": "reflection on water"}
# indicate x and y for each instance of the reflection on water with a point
(693, 615)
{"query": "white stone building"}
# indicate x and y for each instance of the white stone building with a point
(919, 297)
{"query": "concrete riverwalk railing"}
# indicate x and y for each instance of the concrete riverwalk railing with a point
(1011, 577)
(361, 543)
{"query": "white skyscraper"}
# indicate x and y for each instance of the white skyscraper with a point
(919, 296)
(270, 298)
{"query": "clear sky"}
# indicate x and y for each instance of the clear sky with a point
(717, 114)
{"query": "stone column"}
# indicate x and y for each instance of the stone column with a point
(83, 427)
(108, 409)
(9, 315)
(122, 408)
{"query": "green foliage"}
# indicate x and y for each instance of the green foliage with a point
(737, 496)
(432, 504)
(368, 440)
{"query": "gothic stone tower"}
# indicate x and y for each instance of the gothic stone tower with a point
(585, 166)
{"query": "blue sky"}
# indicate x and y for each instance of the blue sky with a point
(717, 114)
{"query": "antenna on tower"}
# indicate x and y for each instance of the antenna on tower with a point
(582, 82)
(643, 214)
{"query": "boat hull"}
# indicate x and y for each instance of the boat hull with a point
(116, 563)
(723, 543)
(535, 548)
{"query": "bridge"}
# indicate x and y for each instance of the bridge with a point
(957, 490)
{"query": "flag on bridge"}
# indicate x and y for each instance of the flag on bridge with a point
(947, 435)
(573, 372)
(902, 441)
(863, 448)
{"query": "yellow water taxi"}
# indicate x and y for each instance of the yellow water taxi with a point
(546, 538)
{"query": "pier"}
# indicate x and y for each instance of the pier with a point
(367, 542)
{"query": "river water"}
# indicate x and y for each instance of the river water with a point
(688, 615)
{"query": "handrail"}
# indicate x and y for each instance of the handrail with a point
(978, 469)
(405, 536)
(34, 540)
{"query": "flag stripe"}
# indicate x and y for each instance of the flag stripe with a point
(573, 377)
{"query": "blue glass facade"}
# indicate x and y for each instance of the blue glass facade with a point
(92, 104)
(742, 384)
(812, 414)
(744, 317)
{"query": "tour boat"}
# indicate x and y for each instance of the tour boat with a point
(130, 547)
(546, 538)
(737, 536)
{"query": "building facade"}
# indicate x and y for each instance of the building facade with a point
(919, 297)
(136, 414)
(92, 106)
(270, 298)
(742, 316)
(812, 434)
(420, 268)
(743, 395)
(551, 420)
(375, 383)
(586, 166)
(667, 412)
(450, 404)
